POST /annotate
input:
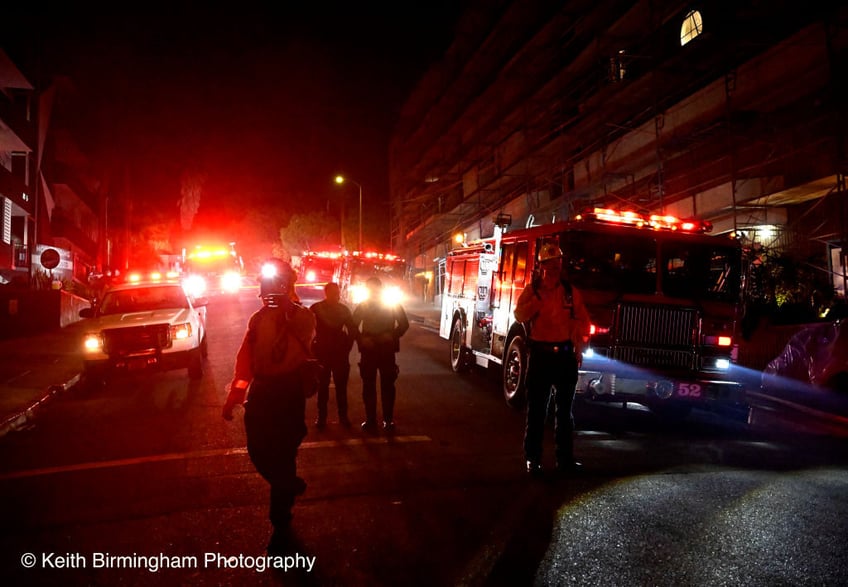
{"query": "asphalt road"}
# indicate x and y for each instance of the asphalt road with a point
(143, 483)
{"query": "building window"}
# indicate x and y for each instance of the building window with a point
(692, 27)
(617, 67)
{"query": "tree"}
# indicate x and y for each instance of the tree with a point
(312, 230)
(191, 189)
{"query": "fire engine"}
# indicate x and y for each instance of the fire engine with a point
(317, 268)
(359, 266)
(212, 270)
(662, 295)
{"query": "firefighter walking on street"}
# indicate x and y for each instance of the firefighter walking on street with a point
(334, 335)
(378, 339)
(557, 322)
(269, 371)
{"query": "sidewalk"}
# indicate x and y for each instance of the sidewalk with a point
(33, 370)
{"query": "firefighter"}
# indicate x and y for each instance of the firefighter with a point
(378, 339)
(334, 335)
(269, 363)
(557, 321)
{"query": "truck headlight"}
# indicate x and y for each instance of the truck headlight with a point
(358, 293)
(194, 285)
(392, 296)
(93, 342)
(722, 364)
(181, 331)
(231, 282)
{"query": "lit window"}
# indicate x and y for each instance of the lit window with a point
(692, 27)
(617, 67)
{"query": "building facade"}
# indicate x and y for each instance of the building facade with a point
(734, 112)
(51, 194)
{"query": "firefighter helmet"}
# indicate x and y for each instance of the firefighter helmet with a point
(549, 252)
(277, 279)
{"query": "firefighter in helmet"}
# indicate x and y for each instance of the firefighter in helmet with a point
(557, 322)
(268, 372)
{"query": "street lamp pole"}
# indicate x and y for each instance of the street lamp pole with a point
(340, 179)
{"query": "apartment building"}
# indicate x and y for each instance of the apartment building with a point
(734, 112)
(50, 194)
(17, 192)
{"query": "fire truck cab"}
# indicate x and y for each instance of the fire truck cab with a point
(316, 270)
(661, 294)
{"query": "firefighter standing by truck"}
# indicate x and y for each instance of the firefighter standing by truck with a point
(558, 322)
(378, 341)
(271, 363)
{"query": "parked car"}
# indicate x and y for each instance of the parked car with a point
(144, 326)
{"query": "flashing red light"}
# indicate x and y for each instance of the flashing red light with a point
(595, 329)
(724, 341)
(655, 221)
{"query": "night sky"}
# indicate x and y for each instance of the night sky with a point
(268, 100)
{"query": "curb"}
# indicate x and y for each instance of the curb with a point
(25, 418)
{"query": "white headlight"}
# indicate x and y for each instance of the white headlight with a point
(194, 285)
(722, 364)
(231, 282)
(392, 296)
(181, 331)
(93, 342)
(358, 293)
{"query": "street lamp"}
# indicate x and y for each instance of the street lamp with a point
(340, 179)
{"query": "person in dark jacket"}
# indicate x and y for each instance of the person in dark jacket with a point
(334, 336)
(379, 326)
(269, 371)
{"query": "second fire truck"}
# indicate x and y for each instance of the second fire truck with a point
(661, 294)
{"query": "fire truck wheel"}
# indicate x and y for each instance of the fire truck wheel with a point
(515, 372)
(458, 353)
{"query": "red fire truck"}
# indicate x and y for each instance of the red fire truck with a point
(210, 270)
(316, 269)
(661, 293)
(359, 266)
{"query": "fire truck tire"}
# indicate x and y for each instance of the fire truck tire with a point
(515, 373)
(195, 365)
(458, 353)
(204, 347)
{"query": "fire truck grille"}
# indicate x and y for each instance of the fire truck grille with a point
(656, 336)
(124, 341)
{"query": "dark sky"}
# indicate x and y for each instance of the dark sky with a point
(269, 100)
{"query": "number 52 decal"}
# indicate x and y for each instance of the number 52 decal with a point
(689, 390)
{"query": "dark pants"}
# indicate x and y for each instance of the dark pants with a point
(372, 361)
(548, 368)
(274, 421)
(337, 366)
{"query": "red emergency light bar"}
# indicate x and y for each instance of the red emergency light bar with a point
(654, 221)
(375, 255)
(323, 254)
